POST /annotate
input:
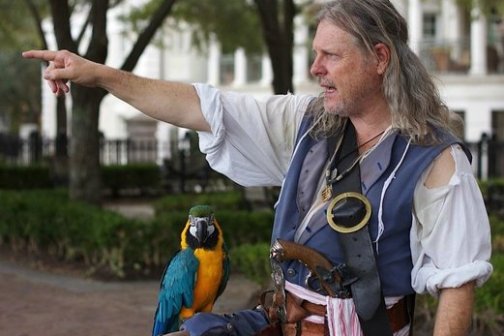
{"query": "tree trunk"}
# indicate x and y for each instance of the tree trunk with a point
(85, 179)
(279, 36)
(85, 173)
(60, 161)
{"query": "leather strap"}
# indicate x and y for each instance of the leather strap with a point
(358, 249)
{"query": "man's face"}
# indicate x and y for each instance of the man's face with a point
(347, 75)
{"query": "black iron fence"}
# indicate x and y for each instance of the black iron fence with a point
(488, 157)
(35, 150)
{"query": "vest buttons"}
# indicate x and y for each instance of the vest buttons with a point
(291, 272)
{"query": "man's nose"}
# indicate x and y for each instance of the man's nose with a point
(317, 69)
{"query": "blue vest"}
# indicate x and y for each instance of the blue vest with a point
(393, 255)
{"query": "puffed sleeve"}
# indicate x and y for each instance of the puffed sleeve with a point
(450, 236)
(251, 140)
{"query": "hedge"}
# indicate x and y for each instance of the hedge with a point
(137, 178)
(24, 177)
(46, 222)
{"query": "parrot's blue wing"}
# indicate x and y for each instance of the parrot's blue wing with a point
(225, 274)
(176, 291)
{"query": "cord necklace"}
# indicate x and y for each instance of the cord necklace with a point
(332, 175)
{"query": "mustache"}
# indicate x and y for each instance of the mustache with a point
(326, 82)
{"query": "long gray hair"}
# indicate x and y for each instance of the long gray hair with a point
(412, 96)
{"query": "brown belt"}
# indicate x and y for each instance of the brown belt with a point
(298, 309)
(305, 328)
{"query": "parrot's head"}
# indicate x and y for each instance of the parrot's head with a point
(202, 230)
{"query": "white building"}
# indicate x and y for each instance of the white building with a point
(465, 53)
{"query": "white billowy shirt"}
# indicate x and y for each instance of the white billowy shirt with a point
(252, 141)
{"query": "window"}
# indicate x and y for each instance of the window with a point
(498, 124)
(254, 68)
(429, 25)
(226, 69)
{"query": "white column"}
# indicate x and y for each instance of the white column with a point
(300, 60)
(267, 71)
(214, 55)
(240, 67)
(415, 25)
(478, 42)
(452, 27)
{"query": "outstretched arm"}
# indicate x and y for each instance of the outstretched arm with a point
(172, 102)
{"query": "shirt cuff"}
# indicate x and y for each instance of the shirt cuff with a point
(432, 279)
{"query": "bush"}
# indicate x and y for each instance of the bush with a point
(220, 201)
(239, 225)
(493, 194)
(253, 261)
(489, 304)
(24, 177)
(46, 222)
(132, 178)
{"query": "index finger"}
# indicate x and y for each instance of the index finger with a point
(46, 55)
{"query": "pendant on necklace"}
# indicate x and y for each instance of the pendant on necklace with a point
(326, 193)
(330, 175)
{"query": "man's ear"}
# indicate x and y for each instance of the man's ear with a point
(382, 53)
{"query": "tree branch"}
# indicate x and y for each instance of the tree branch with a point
(97, 49)
(60, 12)
(147, 34)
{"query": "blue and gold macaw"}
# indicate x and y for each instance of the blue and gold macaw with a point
(196, 276)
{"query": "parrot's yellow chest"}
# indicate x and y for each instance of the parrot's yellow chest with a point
(208, 280)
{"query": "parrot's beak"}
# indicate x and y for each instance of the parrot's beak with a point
(201, 230)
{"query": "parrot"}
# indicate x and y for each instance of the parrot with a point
(196, 275)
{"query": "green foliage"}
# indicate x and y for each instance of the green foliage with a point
(491, 185)
(489, 302)
(253, 261)
(242, 227)
(48, 223)
(231, 210)
(19, 89)
(183, 202)
(141, 177)
(20, 85)
(487, 6)
(490, 296)
(17, 26)
(496, 226)
(24, 177)
(235, 23)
